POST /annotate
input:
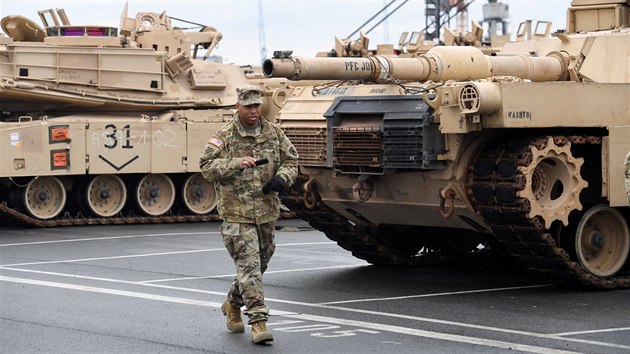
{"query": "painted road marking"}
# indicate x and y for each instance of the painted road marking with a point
(267, 272)
(281, 326)
(114, 257)
(107, 238)
(335, 321)
(593, 331)
(383, 314)
(431, 335)
(148, 255)
(308, 328)
(468, 325)
(283, 322)
(205, 233)
(325, 330)
(435, 294)
(118, 281)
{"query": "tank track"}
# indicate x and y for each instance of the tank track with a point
(79, 220)
(366, 246)
(494, 181)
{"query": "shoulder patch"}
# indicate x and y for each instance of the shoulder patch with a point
(215, 141)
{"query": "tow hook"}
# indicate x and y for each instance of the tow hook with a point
(362, 191)
(449, 195)
(311, 197)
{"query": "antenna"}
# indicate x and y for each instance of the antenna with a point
(261, 33)
(385, 26)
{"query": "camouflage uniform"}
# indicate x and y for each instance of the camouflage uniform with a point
(627, 175)
(248, 215)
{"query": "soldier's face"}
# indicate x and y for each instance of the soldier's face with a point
(249, 114)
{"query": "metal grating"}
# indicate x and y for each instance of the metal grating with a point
(469, 100)
(370, 134)
(310, 144)
(358, 146)
(403, 147)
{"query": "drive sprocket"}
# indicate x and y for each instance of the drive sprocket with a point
(552, 181)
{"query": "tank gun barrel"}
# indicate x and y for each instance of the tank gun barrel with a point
(368, 68)
(438, 64)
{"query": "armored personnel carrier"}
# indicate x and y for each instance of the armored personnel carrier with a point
(454, 153)
(106, 125)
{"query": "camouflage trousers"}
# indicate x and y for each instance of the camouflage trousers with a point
(251, 247)
(627, 175)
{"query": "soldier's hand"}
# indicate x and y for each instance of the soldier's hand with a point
(246, 162)
(276, 184)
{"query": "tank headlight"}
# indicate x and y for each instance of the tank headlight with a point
(479, 97)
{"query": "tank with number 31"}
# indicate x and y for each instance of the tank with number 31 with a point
(106, 125)
(411, 161)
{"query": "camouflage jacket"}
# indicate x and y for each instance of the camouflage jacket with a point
(240, 191)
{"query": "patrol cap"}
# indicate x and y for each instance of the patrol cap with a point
(249, 94)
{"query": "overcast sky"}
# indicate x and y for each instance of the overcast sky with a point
(305, 26)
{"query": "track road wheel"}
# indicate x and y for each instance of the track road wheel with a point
(198, 195)
(602, 241)
(155, 194)
(105, 195)
(553, 183)
(44, 197)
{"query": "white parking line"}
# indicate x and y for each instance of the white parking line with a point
(377, 313)
(361, 324)
(267, 272)
(111, 291)
(118, 281)
(138, 236)
(148, 255)
(107, 238)
(306, 243)
(113, 257)
(435, 294)
(593, 331)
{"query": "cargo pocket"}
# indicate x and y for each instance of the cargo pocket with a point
(230, 232)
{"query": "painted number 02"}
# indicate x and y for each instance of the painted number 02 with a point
(113, 136)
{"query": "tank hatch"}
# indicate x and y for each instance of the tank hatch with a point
(22, 29)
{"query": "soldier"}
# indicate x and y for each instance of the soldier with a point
(627, 173)
(248, 202)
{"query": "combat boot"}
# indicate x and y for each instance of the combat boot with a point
(234, 320)
(260, 333)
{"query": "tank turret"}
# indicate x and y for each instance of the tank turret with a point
(455, 154)
(147, 65)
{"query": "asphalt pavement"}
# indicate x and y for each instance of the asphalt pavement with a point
(158, 288)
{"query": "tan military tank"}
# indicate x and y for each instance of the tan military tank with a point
(106, 125)
(414, 160)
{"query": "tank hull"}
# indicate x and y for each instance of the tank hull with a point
(500, 174)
